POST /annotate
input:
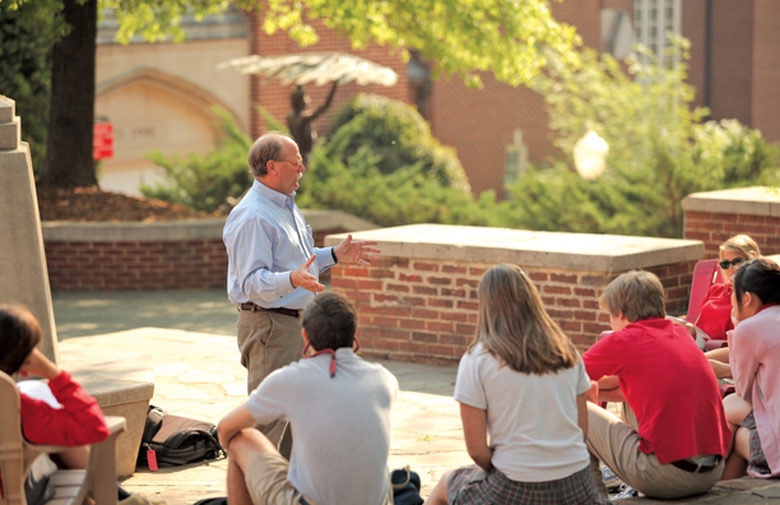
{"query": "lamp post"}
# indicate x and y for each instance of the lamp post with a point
(590, 155)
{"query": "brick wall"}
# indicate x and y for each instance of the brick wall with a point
(714, 228)
(426, 310)
(186, 264)
(101, 264)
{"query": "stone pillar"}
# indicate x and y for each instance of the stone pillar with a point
(23, 275)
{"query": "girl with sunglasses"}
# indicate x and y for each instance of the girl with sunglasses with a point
(715, 312)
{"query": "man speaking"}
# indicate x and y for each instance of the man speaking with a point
(273, 266)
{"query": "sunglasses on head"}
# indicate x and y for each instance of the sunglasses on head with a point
(726, 264)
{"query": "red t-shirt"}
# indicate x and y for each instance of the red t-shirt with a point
(715, 312)
(79, 422)
(669, 385)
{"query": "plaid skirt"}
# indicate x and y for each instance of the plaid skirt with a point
(757, 462)
(473, 486)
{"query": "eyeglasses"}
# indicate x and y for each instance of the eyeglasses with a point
(298, 164)
(726, 264)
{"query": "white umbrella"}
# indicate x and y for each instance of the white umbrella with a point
(317, 68)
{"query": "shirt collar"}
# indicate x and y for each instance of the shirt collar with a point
(278, 198)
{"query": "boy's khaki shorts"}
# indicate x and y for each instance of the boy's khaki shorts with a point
(266, 480)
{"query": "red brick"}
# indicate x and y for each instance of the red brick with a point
(467, 305)
(440, 326)
(467, 282)
(539, 276)
(428, 267)
(397, 311)
(571, 325)
(438, 302)
(381, 273)
(409, 277)
(341, 282)
(458, 293)
(450, 269)
(476, 271)
(425, 313)
(397, 287)
(454, 316)
(465, 329)
(421, 336)
(366, 284)
(557, 290)
(440, 281)
(412, 324)
(425, 290)
(567, 278)
(584, 291)
(381, 297)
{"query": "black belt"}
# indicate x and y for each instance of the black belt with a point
(279, 310)
(690, 466)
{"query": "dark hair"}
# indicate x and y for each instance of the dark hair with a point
(266, 148)
(637, 294)
(330, 322)
(761, 277)
(19, 334)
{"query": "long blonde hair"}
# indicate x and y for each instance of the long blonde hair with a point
(514, 327)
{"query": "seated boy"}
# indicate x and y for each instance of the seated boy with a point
(338, 407)
(677, 436)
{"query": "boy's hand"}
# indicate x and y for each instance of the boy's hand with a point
(39, 365)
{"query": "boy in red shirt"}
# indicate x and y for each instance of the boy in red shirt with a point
(676, 437)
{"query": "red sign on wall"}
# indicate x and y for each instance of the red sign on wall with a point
(103, 141)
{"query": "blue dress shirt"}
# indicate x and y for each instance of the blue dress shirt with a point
(266, 238)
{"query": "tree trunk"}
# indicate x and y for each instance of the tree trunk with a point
(69, 160)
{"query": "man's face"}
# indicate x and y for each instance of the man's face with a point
(288, 168)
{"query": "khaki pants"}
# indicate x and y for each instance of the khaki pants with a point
(617, 445)
(268, 341)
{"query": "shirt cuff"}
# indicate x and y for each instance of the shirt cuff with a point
(325, 258)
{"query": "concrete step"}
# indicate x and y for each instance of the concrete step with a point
(7, 109)
(10, 134)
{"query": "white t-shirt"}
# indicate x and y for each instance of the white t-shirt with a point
(531, 419)
(340, 425)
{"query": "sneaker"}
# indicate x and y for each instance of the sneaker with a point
(625, 491)
(611, 480)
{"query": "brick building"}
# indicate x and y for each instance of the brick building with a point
(735, 67)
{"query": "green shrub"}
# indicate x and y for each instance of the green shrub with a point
(399, 135)
(205, 182)
(659, 149)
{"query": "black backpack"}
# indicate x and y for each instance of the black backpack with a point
(173, 440)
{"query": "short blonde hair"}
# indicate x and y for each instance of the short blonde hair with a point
(514, 328)
(742, 244)
(636, 294)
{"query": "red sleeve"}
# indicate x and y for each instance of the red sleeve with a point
(602, 358)
(79, 422)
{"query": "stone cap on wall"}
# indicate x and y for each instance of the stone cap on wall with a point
(570, 251)
(192, 229)
(754, 200)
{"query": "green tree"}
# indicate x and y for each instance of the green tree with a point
(508, 38)
(659, 150)
(27, 35)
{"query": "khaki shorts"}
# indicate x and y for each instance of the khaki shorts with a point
(266, 481)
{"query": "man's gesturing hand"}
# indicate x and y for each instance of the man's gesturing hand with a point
(302, 278)
(358, 251)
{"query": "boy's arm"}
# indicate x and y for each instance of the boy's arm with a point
(238, 419)
(582, 414)
(475, 433)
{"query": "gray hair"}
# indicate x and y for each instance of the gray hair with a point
(266, 148)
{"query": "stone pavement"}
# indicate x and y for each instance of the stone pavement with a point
(197, 374)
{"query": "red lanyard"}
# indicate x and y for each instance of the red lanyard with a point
(332, 353)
